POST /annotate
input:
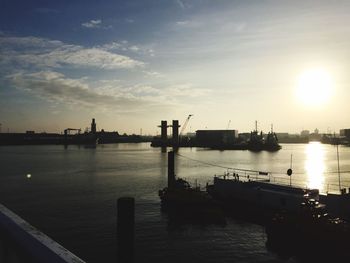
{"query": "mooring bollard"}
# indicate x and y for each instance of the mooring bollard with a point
(125, 229)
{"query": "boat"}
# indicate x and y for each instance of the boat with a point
(251, 193)
(257, 142)
(311, 230)
(179, 199)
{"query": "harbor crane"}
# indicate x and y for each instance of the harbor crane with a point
(185, 124)
(228, 124)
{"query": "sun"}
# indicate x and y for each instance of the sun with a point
(314, 87)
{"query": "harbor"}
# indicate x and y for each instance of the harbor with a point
(75, 203)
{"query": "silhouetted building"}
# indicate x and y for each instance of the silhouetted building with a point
(345, 133)
(216, 137)
(305, 133)
(282, 135)
(315, 136)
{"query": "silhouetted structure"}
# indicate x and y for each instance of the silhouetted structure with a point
(70, 136)
(181, 200)
(164, 132)
(175, 127)
(93, 126)
(345, 133)
(212, 138)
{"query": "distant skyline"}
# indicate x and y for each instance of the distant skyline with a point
(131, 64)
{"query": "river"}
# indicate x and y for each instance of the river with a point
(70, 194)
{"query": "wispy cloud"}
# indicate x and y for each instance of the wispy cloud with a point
(183, 4)
(92, 23)
(153, 74)
(129, 20)
(126, 46)
(95, 23)
(55, 87)
(104, 95)
(182, 23)
(42, 53)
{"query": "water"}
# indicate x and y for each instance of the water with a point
(71, 196)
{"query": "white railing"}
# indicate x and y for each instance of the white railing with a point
(21, 242)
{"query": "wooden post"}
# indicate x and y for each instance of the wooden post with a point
(125, 229)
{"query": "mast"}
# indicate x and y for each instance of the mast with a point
(338, 167)
(291, 167)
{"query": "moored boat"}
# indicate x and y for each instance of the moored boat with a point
(183, 200)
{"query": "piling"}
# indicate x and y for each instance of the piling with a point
(171, 169)
(125, 229)
(164, 132)
(175, 127)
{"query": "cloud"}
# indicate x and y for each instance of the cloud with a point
(182, 23)
(153, 74)
(55, 87)
(182, 4)
(95, 24)
(126, 46)
(103, 95)
(43, 53)
(92, 24)
(129, 20)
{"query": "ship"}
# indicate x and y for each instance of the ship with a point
(257, 141)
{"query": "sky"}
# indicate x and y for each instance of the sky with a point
(130, 64)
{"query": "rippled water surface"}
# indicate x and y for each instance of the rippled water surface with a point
(71, 196)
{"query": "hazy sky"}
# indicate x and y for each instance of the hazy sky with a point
(131, 64)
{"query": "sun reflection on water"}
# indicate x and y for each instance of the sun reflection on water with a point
(314, 165)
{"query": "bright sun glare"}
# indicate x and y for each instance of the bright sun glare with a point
(314, 87)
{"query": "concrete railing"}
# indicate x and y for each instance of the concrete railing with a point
(21, 242)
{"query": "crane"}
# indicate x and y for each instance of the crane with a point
(185, 124)
(228, 124)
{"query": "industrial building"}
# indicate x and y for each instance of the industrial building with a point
(216, 137)
(345, 133)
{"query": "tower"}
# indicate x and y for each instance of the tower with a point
(93, 126)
